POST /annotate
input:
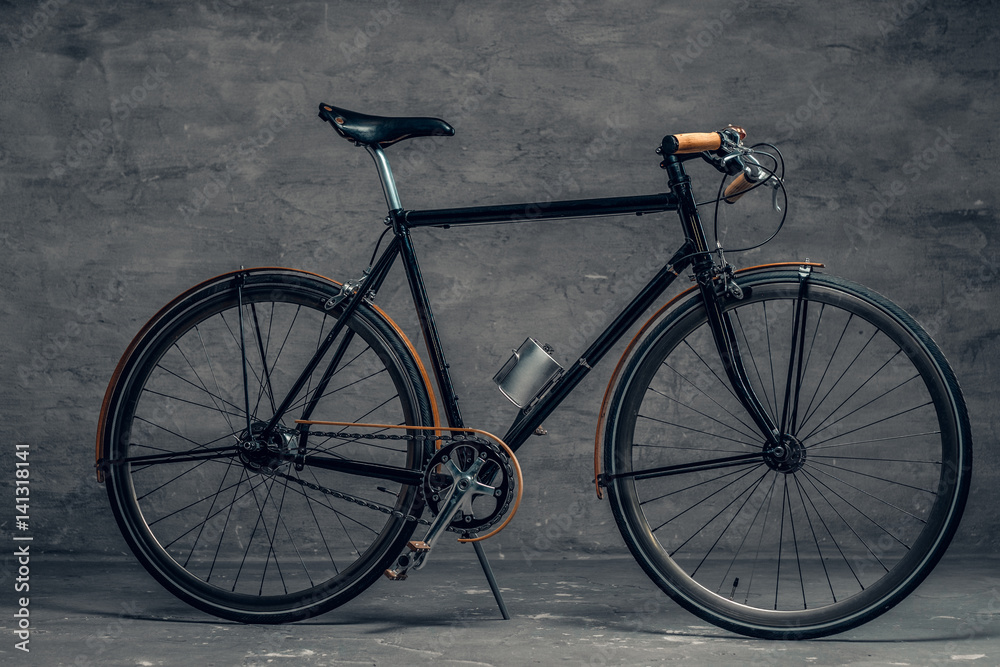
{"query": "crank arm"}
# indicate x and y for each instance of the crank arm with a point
(464, 485)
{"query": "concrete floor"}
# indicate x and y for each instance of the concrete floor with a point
(599, 611)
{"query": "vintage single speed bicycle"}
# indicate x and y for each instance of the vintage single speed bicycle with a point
(787, 454)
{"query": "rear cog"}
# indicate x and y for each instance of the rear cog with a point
(490, 492)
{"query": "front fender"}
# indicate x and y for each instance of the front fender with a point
(626, 355)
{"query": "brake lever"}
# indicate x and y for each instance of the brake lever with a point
(775, 184)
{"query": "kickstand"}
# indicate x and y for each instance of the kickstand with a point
(488, 571)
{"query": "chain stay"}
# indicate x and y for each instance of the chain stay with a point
(344, 435)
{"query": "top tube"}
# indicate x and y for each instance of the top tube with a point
(549, 210)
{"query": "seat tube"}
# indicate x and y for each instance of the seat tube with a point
(385, 176)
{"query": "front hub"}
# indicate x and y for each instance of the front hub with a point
(787, 457)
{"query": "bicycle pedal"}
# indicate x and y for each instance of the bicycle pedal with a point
(418, 546)
(395, 575)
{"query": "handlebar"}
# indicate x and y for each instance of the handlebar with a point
(751, 175)
(697, 142)
(723, 150)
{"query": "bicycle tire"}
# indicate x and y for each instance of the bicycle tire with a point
(238, 540)
(861, 508)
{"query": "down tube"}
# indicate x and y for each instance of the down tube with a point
(526, 422)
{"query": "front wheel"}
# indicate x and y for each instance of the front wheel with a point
(222, 517)
(841, 521)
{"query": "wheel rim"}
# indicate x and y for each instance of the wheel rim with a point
(852, 513)
(241, 533)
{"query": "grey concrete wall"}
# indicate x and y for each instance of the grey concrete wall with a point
(145, 146)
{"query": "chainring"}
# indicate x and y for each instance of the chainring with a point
(479, 509)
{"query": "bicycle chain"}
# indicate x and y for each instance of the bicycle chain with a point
(343, 435)
(343, 496)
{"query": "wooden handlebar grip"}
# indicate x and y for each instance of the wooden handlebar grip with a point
(737, 188)
(691, 142)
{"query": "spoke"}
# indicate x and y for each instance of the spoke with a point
(243, 355)
(690, 449)
(760, 540)
(197, 445)
(855, 507)
(829, 532)
(857, 409)
(790, 410)
(871, 495)
(864, 474)
(339, 513)
(693, 485)
(235, 486)
(753, 360)
(829, 362)
(253, 533)
(201, 527)
(860, 539)
(770, 360)
(213, 408)
(871, 440)
(304, 399)
(842, 376)
(320, 388)
(691, 507)
(225, 526)
(812, 531)
(725, 384)
(781, 537)
(869, 458)
(743, 541)
(878, 421)
(707, 416)
(175, 478)
(795, 541)
(750, 429)
(214, 397)
(698, 430)
(265, 386)
(752, 486)
(319, 528)
(211, 368)
(817, 428)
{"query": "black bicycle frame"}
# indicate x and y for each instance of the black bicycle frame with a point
(693, 252)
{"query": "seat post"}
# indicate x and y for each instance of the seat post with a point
(385, 175)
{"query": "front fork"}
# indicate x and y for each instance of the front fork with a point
(727, 344)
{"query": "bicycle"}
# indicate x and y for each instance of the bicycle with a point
(786, 454)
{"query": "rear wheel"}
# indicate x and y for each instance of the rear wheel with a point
(241, 533)
(841, 521)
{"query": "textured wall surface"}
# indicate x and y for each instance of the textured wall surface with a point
(145, 146)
